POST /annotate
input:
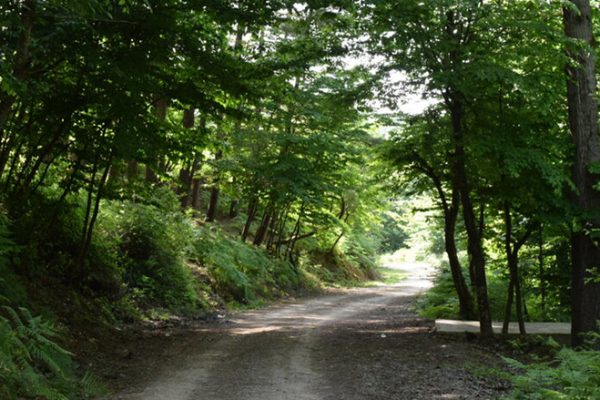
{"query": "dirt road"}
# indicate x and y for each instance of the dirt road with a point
(360, 344)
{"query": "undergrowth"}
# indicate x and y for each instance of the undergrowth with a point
(147, 260)
(569, 374)
(32, 363)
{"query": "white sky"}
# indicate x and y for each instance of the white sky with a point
(408, 103)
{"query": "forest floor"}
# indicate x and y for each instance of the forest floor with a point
(364, 343)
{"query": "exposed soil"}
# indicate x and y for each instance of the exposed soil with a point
(357, 344)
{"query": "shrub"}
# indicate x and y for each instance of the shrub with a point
(154, 243)
(241, 272)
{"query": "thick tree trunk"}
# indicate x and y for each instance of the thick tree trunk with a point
(583, 121)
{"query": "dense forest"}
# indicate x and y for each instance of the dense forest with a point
(165, 158)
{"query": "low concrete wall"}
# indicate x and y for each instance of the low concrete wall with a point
(533, 328)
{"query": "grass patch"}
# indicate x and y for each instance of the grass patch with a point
(391, 276)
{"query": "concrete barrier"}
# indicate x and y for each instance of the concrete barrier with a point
(533, 328)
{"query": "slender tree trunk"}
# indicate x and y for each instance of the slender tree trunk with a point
(541, 275)
(512, 257)
(583, 122)
(90, 228)
(186, 173)
(514, 266)
(211, 213)
(465, 300)
(508, 306)
(472, 225)
(264, 227)
(292, 243)
(252, 208)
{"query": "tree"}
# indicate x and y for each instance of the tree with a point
(420, 149)
(582, 93)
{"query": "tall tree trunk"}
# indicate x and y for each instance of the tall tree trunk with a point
(450, 209)
(508, 306)
(512, 257)
(90, 227)
(472, 225)
(196, 193)
(187, 172)
(465, 300)
(541, 275)
(252, 207)
(261, 233)
(583, 122)
(213, 203)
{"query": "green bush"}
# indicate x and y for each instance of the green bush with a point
(241, 272)
(440, 301)
(361, 250)
(154, 243)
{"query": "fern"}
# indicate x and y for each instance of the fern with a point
(571, 375)
(33, 365)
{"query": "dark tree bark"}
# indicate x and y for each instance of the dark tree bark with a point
(186, 174)
(512, 256)
(132, 171)
(213, 203)
(90, 227)
(465, 300)
(583, 122)
(261, 233)
(196, 193)
(541, 275)
(473, 225)
(508, 306)
(252, 208)
(450, 208)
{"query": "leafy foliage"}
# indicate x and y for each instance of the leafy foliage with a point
(571, 374)
(33, 365)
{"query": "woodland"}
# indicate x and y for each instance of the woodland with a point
(164, 158)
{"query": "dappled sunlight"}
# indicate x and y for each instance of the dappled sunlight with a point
(339, 309)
